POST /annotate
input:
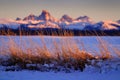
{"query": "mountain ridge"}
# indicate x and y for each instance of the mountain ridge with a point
(46, 20)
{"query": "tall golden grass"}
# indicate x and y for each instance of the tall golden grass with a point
(65, 53)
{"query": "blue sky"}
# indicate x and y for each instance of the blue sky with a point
(96, 9)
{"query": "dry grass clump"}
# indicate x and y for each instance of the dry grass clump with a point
(76, 61)
(64, 55)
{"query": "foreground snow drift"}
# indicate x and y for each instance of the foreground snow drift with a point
(35, 75)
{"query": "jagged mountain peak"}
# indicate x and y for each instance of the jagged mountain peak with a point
(17, 19)
(45, 12)
(31, 17)
(118, 21)
(67, 18)
(84, 19)
(46, 20)
(46, 16)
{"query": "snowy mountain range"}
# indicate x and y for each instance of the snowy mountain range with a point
(46, 20)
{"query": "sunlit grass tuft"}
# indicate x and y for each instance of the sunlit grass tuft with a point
(65, 55)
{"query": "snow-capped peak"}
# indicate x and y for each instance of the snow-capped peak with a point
(85, 19)
(45, 20)
(118, 21)
(31, 17)
(66, 18)
(107, 25)
(18, 19)
(46, 16)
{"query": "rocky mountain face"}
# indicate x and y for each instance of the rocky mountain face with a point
(66, 18)
(118, 21)
(46, 16)
(84, 19)
(31, 17)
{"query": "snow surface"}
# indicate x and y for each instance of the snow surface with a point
(108, 70)
(91, 44)
(36, 75)
(77, 25)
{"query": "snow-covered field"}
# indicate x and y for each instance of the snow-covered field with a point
(36, 75)
(88, 43)
(104, 70)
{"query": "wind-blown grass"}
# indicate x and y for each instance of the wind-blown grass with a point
(65, 55)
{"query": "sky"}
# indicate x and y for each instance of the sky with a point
(96, 9)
